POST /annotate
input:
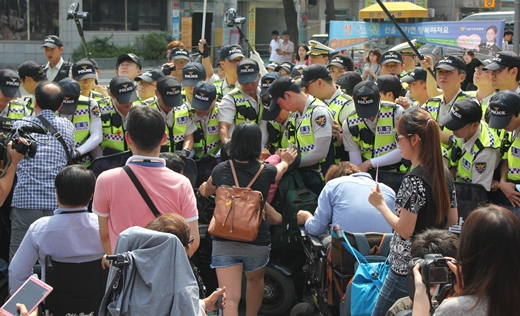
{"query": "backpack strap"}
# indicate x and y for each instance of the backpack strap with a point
(298, 179)
(362, 243)
(252, 180)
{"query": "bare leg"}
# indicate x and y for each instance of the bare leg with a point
(254, 291)
(231, 277)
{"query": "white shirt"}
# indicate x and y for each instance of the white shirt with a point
(274, 46)
(444, 108)
(227, 109)
(53, 72)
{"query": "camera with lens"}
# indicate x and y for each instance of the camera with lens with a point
(434, 269)
(232, 19)
(21, 137)
(74, 13)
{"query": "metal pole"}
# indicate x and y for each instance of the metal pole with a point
(204, 18)
(516, 31)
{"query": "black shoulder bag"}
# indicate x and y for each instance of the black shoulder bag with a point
(58, 136)
(142, 191)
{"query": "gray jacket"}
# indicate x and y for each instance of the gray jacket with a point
(158, 279)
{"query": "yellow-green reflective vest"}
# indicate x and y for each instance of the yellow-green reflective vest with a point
(113, 131)
(336, 106)
(243, 106)
(16, 110)
(207, 142)
(513, 160)
(181, 120)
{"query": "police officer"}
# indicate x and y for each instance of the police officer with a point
(84, 114)
(369, 132)
(146, 84)
(505, 114)
(192, 74)
(318, 82)
(318, 53)
(56, 68)
(390, 88)
(505, 71)
(348, 81)
(311, 123)
(409, 61)
(340, 64)
(207, 140)
(451, 71)
(128, 65)
(285, 68)
(179, 124)
(84, 72)
(416, 81)
(9, 89)
(30, 73)
(230, 56)
(477, 152)
(392, 64)
(114, 112)
(180, 57)
(243, 102)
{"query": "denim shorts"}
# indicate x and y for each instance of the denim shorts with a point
(250, 264)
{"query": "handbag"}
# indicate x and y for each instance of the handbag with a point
(237, 214)
(366, 283)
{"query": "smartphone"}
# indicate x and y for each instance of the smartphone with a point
(31, 293)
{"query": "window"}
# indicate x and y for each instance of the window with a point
(43, 19)
(125, 15)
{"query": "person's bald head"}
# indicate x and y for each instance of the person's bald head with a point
(48, 95)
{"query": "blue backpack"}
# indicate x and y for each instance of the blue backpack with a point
(370, 270)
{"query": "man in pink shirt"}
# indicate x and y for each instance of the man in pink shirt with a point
(118, 203)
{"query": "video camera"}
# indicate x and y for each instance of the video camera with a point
(74, 13)
(232, 19)
(23, 142)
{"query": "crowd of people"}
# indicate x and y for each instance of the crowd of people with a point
(306, 108)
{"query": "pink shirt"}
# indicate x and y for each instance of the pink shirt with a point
(117, 198)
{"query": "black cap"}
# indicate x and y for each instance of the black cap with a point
(272, 65)
(52, 41)
(247, 71)
(192, 73)
(417, 74)
(277, 89)
(502, 107)
(128, 57)
(30, 69)
(342, 61)
(391, 57)
(71, 92)
(231, 52)
(94, 62)
(463, 112)
(204, 94)
(508, 32)
(366, 99)
(9, 83)
(504, 59)
(265, 83)
(150, 75)
(170, 89)
(83, 69)
(287, 66)
(179, 53)
(389, 83)
(450, 63)
(348, 80)
(313, 72)
(479, 62)
(296, 72)
(123, 89)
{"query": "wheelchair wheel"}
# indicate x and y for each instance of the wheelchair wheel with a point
(279, 292)
(304, 309)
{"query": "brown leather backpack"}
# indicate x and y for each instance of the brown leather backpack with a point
(237, 214)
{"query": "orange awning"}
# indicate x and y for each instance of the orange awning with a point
(400, 10)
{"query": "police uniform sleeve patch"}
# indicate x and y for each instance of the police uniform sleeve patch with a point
(95, 111)
(321, 120)
(480, 167)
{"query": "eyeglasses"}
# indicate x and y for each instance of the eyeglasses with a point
(399, 137)
(482, 70)
(192, 239)
(145, 84)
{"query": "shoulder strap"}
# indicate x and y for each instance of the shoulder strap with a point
(252, 180)
(141, 190)
(56, 135)
(298, 179)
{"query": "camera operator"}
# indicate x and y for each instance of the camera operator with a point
(486, 268)
(6, 182)
(34, 194)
